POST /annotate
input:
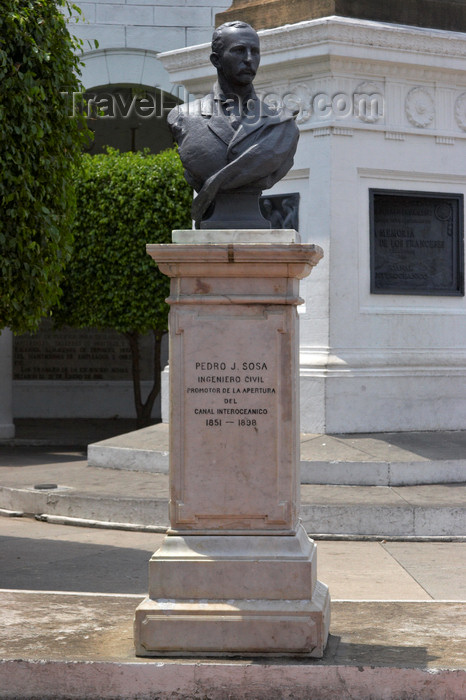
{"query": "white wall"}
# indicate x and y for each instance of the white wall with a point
(152, 25)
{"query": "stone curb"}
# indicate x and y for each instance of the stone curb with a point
(384, 520)
(132, 459)
(114, 509)
(383, 473)
(332, 472)
(55, 680)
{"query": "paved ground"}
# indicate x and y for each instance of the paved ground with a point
(43, 557)
(69, 596)
(72, 432)
(39, 560)
(425, 445)
(99, 628)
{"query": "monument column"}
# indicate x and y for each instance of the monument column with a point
(236, 572)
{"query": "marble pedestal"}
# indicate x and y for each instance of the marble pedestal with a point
(236, 573)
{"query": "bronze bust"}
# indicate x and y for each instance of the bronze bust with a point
(232, 145)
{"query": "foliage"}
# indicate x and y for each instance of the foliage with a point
(39, 146)
(124, 200)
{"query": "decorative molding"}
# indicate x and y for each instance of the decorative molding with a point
(329, 130)
(394, 136)
(460, 111)
(312, 36)
(322, 361)
(445, 140)
(339, 131)
(420, 107)
(366, 96)
(325, 131)
(413, 176)
(384, 68)
(365, 33)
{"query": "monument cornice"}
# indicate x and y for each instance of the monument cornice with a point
(264, 14)
(417, 75)
(336, 36)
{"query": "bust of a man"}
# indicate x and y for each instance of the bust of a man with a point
(232, 145)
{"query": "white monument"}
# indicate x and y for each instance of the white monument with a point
(381, 107)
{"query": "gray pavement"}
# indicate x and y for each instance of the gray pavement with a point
(72, 432)
(75, 646)
(48, 557)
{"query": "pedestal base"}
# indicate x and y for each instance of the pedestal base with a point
(271, 603)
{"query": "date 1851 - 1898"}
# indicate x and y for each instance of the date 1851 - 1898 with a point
(242, 422)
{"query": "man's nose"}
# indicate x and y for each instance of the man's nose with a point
(248, 58)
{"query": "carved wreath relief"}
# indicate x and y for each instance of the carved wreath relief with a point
(420, 107)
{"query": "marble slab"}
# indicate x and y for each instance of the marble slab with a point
(259, 236)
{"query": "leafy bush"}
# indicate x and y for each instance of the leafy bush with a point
(124, 200)
(39, 146)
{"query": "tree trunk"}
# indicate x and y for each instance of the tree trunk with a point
(144, 408)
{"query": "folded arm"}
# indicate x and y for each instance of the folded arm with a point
(262, 158)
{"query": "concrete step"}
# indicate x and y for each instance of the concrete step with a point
(141, 499)
(80, 646)
(382, 459)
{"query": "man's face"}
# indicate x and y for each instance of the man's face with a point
(241, 55)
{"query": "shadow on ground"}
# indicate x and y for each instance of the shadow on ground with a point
(49, 565)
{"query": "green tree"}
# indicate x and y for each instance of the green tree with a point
(124, 200)
(39, 147)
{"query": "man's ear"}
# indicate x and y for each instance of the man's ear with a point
(215, 60)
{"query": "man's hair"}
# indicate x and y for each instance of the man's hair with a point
(217, 38)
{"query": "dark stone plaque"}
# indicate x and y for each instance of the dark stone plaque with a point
(416, 241)
(75, 354)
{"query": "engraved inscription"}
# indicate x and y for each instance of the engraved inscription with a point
(416, 243)
(230, 402)
(234, 411)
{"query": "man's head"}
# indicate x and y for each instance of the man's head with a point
(235, 53)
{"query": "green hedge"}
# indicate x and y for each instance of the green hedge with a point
(39, 146)
(124, 200)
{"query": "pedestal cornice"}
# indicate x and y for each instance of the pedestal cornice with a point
(235, 274)
(212, 260)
